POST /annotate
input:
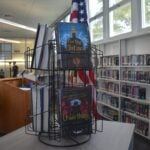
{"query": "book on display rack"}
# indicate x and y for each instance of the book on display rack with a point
(73, 45)
(40, 107)
(41, 52)
(75, 109)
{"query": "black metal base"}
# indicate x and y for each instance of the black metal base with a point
(69, 141)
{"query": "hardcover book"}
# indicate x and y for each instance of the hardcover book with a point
(142, 93)
(73, 45)
(147, 59)
(75, 108)
(135, 60)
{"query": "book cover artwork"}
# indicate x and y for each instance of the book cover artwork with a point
(73, 43)
(76, 105)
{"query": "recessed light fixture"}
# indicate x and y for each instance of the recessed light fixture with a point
(17, 25)
(10, 41)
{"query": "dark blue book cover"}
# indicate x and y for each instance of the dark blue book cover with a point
(73, 45)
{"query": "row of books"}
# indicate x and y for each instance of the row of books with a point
(133, 91)
(108, 74)
(110, 86)
(139, 109)
(112, 60)
(135, 60)
(41, 98)
(139, 76)
(140, 126)
(108, 99)
(110, 113)
(131, 60)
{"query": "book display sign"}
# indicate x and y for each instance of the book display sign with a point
(73, 45)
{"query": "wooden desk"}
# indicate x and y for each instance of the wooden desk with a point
(115, 136)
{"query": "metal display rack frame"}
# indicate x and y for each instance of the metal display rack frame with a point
(58, 134)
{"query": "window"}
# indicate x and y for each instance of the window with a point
(96, 29)
(96, 21)
(145, 13)
(120, 19)
(95, 7)
(5, 51)
(113, 2)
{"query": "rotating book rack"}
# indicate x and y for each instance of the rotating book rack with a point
(62, 108)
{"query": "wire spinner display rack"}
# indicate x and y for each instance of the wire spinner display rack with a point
(58, 133)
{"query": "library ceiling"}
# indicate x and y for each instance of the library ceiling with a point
(29, 13)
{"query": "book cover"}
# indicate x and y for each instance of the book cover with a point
(46, 108)
(76, 107)
(45, 52)
(36, 92)
(40, 107)
(142, 93)
(35, 43)
(38, 47)
(73, 45)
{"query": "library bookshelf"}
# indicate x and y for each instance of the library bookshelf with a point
(123, 83)
(61, 105)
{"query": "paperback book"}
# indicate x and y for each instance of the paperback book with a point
(75, 108)
(73, 45)
(40, 107)
(45, 51)
(38, 46)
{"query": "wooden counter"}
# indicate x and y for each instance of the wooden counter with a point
(14, 104)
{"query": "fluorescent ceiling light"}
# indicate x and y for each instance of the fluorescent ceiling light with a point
(17, 25)
(8, 40)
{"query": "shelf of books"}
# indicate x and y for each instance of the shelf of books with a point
(108, 82)
(61, 105)
(124, 81)
(109, 112)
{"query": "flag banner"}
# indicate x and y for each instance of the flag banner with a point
(79, 15)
